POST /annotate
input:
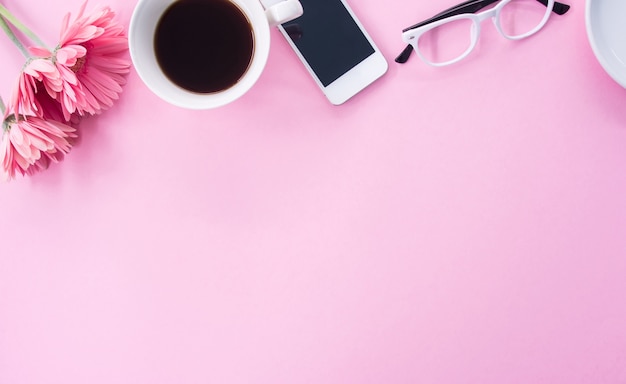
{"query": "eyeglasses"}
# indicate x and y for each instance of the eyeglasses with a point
(451, 35)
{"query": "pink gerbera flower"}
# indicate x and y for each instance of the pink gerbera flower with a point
(36, 72)
(86, 70)
(38, 87)
(90, 59)
(30, 144)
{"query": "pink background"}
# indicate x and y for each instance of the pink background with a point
(455, 225)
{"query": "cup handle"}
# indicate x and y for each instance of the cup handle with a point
(283, 12)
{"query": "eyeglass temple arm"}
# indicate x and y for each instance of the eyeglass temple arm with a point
(558, 8)
(470, 6)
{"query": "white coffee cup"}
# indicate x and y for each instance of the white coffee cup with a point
(142, 30)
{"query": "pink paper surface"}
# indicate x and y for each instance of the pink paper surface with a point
(455, 225)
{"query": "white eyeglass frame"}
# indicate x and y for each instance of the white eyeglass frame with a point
(412, 36)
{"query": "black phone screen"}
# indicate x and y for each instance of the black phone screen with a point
(328, 38)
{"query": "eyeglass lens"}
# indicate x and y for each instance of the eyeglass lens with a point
(446, 42)
(520, 17)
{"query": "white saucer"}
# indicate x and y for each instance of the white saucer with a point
(606, 28)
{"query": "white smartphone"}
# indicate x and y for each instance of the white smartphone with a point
(335, 48)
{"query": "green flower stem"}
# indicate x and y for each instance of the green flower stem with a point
(3, 108)
(20, 26)
(7, 29)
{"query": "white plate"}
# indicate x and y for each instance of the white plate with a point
(606, 28)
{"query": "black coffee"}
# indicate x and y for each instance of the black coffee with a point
(204, 46)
